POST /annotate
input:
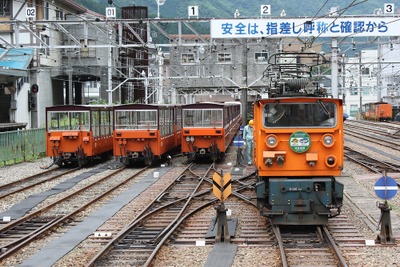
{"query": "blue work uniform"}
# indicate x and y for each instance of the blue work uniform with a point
(248, 138)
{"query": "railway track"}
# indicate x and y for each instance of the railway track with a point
(19, 233)
(371, 164)
(308, 246)
(139, 242)
(24, 184)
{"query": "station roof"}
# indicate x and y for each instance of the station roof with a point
(15, 61)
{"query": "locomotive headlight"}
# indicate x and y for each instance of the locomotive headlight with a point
(271, 141)
(328, 140)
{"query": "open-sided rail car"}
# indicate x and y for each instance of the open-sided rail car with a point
(146, 132)
(208, 128)
(76, 134)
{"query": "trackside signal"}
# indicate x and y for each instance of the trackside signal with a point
(35, 88)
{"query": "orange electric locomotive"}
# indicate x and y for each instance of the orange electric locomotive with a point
(298, 146)
(77, 134)
(146, 132)
(208, 128)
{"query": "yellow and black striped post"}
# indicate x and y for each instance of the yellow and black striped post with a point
(222, 186)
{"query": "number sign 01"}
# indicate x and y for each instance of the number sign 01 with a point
(110, 12)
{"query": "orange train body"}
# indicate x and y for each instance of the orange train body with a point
(378, 111)
(145, 132)
(209, 128)
(298, 151)
(319, 159)
(78, 134)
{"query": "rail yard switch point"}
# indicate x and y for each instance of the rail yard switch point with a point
(221, 227)
(385, 188)
(385, 235)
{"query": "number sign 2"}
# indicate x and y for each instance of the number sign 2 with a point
(265, 10)
(31, 12)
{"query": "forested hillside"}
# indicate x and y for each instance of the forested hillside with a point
(247, 8)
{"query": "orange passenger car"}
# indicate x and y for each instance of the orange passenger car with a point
(77, 134)
(298, 149)
(208, 128)
(145, 132)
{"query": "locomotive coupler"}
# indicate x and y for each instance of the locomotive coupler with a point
(385, 236)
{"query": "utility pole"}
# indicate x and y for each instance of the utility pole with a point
(378, 74)
(360, 84)
(334, 67)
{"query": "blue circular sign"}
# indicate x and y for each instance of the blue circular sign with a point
(386, 187)
(238, 141)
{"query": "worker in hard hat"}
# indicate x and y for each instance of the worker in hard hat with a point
(248, 140)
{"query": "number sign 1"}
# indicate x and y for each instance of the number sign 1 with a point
(31, 12)
(389, 9)
(193, 11)
(111, 12)
(265, 10)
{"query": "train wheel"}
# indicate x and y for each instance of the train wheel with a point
(58, 161)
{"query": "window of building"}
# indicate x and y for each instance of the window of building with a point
(45, 41)
(224, 57)
(261, 57)
(188, 58)
(46, 11)
(5, 8)
(365, 71)
(353, 110)
(59, 14)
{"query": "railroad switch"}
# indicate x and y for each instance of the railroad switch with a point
(385, 236)
(222, 225)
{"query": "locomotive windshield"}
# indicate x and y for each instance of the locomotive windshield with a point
(202, 118)
(317, 114)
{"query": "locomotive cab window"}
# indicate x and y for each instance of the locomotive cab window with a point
(308, 114)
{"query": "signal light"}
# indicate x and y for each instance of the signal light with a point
(35, 88)
(31, 101)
